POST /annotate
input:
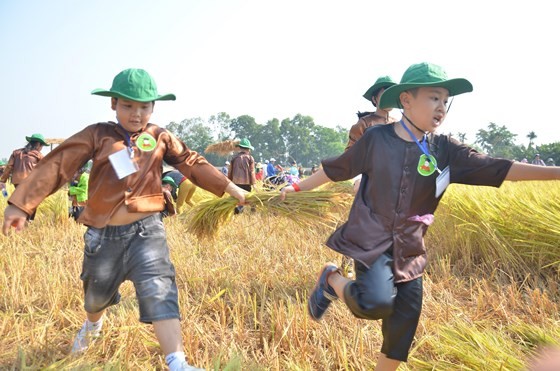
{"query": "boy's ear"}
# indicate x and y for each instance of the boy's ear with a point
(114, 104)
(404, 98)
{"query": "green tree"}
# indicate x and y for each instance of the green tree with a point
(497, 141)
(221, 126)
(296, 133)
(196, 134)
(532, 136)
(243, 127)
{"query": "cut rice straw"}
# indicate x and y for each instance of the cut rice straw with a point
(223, 148)
(306, 208)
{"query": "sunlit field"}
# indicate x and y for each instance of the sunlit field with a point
(491, 294)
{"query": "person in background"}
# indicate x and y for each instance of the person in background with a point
(242, 169)
(270, 169)
(538, 161)
(78, 192)
(169, 187)
(22, 162)
(259, 171)
(184, 190)
(550, 162)
(225, 168)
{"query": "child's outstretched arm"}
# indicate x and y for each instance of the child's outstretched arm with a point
(314, 181)
(13, 217)
(521, 171)
(236, 192)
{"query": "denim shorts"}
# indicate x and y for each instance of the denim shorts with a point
(137, 252)
(375, 295)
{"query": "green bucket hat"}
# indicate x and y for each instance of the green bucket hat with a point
(423, 75)
(169, 180)
(134, 84)
(244, 143)
(37, 138)
(382, 82)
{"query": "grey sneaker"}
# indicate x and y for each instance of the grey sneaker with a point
(84, 338)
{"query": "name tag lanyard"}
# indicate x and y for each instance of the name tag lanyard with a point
(128, 141)
(423, 168)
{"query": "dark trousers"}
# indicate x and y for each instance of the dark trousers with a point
(375, 295)
(248, 188)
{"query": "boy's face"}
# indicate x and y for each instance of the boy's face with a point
(132, 115)
(427, 108)
(167, 187)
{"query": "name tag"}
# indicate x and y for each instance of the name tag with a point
(442, 181)
(122, 163)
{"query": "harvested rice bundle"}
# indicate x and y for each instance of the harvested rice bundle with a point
(307, 208)
(223, 148)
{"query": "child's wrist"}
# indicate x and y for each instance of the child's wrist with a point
(296, 188)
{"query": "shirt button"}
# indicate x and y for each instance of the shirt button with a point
(403, 190)
(398, 211)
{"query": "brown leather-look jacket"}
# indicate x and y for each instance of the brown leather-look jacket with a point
(20, 165)
(140, 192)
(358, 129)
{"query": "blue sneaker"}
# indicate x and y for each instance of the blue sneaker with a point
(322, 295)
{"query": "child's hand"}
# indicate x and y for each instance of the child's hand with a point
(13, 217)
(236, 192)
(285, 190)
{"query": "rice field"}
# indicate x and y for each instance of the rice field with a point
(491, 296)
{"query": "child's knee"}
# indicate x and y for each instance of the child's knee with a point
(365, 306)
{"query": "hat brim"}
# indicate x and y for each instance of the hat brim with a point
(31, 139)
(369, 93)
(248, 147)
(114, 94)
(391, 96)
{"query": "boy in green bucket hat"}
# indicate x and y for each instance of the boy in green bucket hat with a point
(123, 210)
(365, 121)
(22, 161)
(369, 119)
(406, 168)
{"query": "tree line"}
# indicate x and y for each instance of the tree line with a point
(300, 139)
(296, 139)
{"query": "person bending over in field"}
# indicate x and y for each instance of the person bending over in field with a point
(395, 204)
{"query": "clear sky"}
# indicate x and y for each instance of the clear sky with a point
(274, 59)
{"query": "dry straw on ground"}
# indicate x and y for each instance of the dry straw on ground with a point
(242, 295)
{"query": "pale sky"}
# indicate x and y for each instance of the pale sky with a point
(274, 59)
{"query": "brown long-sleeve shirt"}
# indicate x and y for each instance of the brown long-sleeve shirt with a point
(392, 191)
(242, 169)
(358, 129)
(20, 165)
(140, 192)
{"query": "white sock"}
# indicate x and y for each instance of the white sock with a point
(175, 360)
(94, 326)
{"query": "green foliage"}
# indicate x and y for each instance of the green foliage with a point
(497, 141)
(297, 139)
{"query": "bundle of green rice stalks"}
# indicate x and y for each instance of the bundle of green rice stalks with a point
(306, 208)
(223, 148)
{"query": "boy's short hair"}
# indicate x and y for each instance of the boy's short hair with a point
(423, 75)
(134, 84)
